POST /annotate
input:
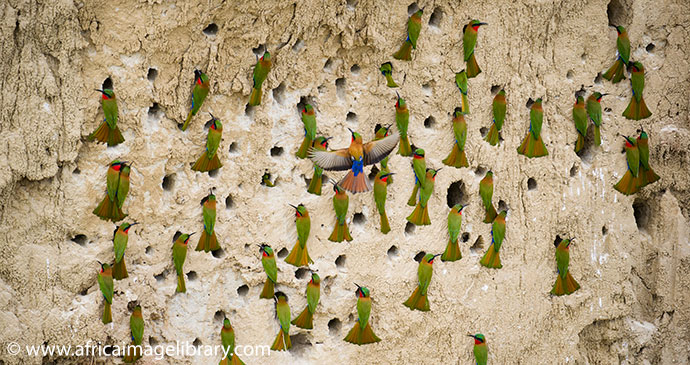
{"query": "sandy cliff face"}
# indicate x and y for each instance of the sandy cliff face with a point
(631, 256)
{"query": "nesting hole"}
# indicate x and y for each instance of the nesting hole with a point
(495, 89)
(529, 103)
(426, 89)
(153, 111)
(76, 171)
(480, 171)
(436, 17)
(557, 241)
(283, 253)
(249, 111)
(641, 213)
(168, 182)
(197, 342)
(176, 236)
(300, 344)
(351, 117)
(219, 316)
(465, 237)
(359, 219)
(351, 4)
(574, 170)
(334, 326)
(456, 194)
(340, 85)
(211, 30)
(478, 245)
(149, 250)
(650, 47)
(340, 262)
(419, 256)
(107, 83)
(259, 51)
(276, 151)
(409, 229)
(618, 13)
(392, 252)
(153, 341)
(80, 239)
(502, 206)
(301, 273)
(598, 78)
(192, 275)
(303, 101)
(229, 203)
(412, 8)
(429, 122)
(374, 170)
(161, 277)
(569, 75)
(355, 69)
(233, 148)
(152, 74)
(219, 253)
(84, 291)
(604, 230)
(483, 131)
(242, 290)
(298, 45)
(279, 93)
(214, 173)
(328, 66)
(531, 184)
(208, 123)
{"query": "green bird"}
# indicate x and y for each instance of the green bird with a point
(361, 333)
(179, 256)
(481, 352)
(227, 339)
(486, 192)
(123, 185)
(414, 26)
(457, 157)
(208, 161)
(340, 204)
(418, 300)
(533, 145)
(306, 318)
(120, 237)
(461, 83)
(136, 327)
(268, 261)
(420, 215)
(320, 144)
(419, 168)
(380, 194)
(637, 109)
(492, 258)
(199, 93)
(381, 132)
(615, 73)
(387, 71)
(402, 119)
(299, 256)
(282, 341)
(107, 131)
(469, 40)
(565, 284)
(452, 252)
(266, 180)
(580, 119)
(208, 241)
(105, 283)
(261, 69)
(630, 184)
(309, 121)
(108, 208)
(499, 112)
(593, 107)
(646, 175)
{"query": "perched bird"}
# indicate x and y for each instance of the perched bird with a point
(486, 192)
(499, 112)
(320, 144)
(402, 120)
(532, 145)
(461, 83)
(309, 121)
(340, 204)
(261, 69)
(630, 184)
(491, 258)
(299, 255)
(418, 300)
(380, 194)
(354, 158)
(199, 93)
(105, 283)
(361, 333)
(109, 208)
(123, 185)
(646, 175)
(208, 241)
(580, 119)
(637, 109)
(565, 284)
(227, 339)
(305, 319)
(208, 161)
(179, 256)
(108, 132)
(481, 352)
(593, 107)
(282, 341)
(420, 215)
(268, 261)
(469, 40)
(615, 73)
(419, 168)
(120, 237)
(387, 71)
(136, 327)
(381, 132)
(266, 180)
(457, 157)
(414, 26)
(452, 252)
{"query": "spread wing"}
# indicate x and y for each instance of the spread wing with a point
(376, 151)
(338, 160)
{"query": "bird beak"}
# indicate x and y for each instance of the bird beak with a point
(483, 24)
(471, 336)
(439, 169)
(358, 287)
(292, 206)
(212, 117)
(396, 93)
(101, 91)
(134, 224)
(437, 255)
(329, 138)
(351, 131)
(465, 206)
(571, 240)
(100, 263)
(191, 234)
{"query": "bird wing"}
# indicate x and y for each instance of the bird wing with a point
(376, 151)
(338, 160)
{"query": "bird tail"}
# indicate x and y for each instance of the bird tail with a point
(491, 259)
(648, 176)
(532, 147)
(105, 134)
(107, 209)
(579, 143)
(452, 252)
(120, 269)
(628, 184)
(597, 135)
(181, 287)
(268, 291)
(404, 149)
(340, 233)
(355, 184)
(305, 319)
(465, 104)
(390, 82)
(304, 148)
(490, 214)
(472, 67)
(615, 72)
(107, 313)
(361, 336)
(420, 215)
(204, 163)
(316, 182)
(565, 286)
(255, 96)
(282, 342)
(456, 158)
(234, 360)
(417, 301)
(405, 52)
(637, 110)
(132, 354)
(413, 198)
(385, 226)
(492, 136)
(207, 242)
(299, 256)
(189, 119)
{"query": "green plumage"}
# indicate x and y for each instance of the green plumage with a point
(340, 204)
(179, 257)
(452, 252)
(499, 113)
(136, 325)
(120, 238)
(533, 145)
(486, 192)
(268, 261)
(209, 159)
(461, 83)
(309, 121)
(565, 283)
(481, 352)
(457, 156)
(418, 300)
(319, 144)
(282, 341)
(402, 119)
(299, 256)
(593, 107)
(581, 122)
(637, 109)
(105, 283)
(261, 69)
(123, 185)
(414, 26)
(107, 131)
(387, 71)
(469, 40)
(419, 168)
(199, 93)
(380, 195)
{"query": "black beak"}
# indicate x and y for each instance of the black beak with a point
(101, 91)
(396, 93)
(191, 234)
(293, 206)
(483, 24)
(358, 287)
(134, 224)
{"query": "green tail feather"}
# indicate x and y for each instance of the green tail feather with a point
(597, 135)
(316, 182)
(417, 301)
(282, 342)
(304, 148)
(580, 143)
(181, 287)
(491, 259)
(413, 198)
(405, 52)
(104, 134)
(385, 226)
(255, 97)
(531, 147)
(404, 149)
(452, 252)
(565, 286)
(268, 290)
(107, 313)
(186, 122)
(492, 136)
(456, 158)
(628, 184)
(340, 233)
(390, 82)
(472, 67)
(361, 336)
(204, 164)
(490, 214)
(120, 270)
(305, 319)
(615, 73)
(298, 256)
(637, 111)
(420, 216)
